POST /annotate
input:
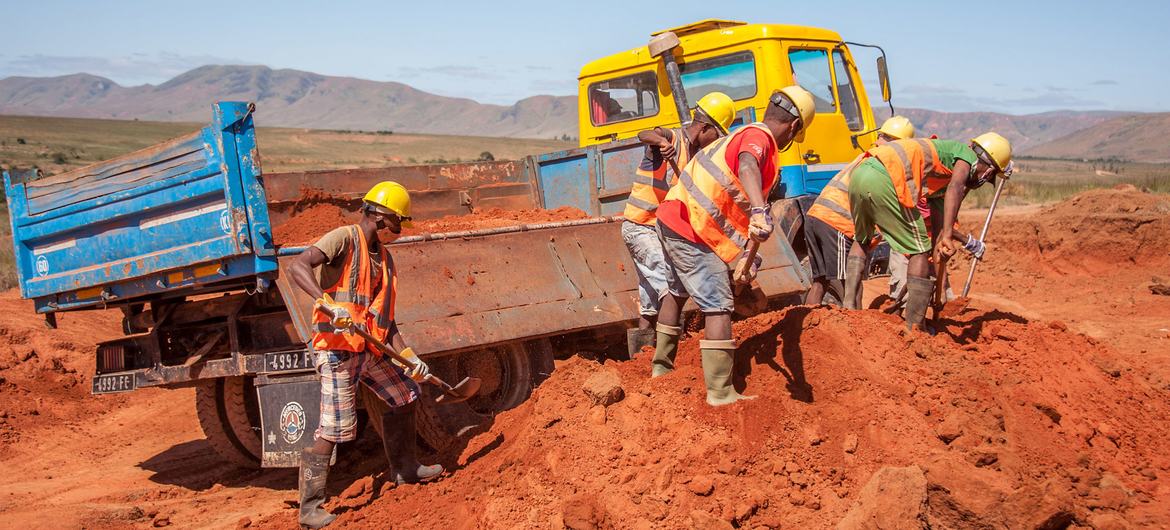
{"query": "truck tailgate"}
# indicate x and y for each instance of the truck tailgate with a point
(172, 217)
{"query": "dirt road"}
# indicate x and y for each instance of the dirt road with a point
(1046, 402)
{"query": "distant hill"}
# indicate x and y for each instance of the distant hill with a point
(1140, 137)
(292, 98)
(288, 98)
(1025, 131)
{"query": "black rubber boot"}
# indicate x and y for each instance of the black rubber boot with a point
(637, 338)
(666, 346)
(918, 294)
(854, 273)
(311, 483)
(399, 433)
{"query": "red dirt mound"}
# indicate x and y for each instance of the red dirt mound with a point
(494, 218)
(996, 422)
(45, 374)
(1091, 232)
(312, 221)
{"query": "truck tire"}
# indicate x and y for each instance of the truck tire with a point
(509, 374)
(229, 415)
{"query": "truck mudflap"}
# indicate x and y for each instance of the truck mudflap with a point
(469, 290)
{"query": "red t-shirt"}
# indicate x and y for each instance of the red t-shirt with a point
(674, 214)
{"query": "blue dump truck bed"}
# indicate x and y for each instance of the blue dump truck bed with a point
(164, 221)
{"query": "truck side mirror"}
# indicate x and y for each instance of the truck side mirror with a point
(883, 78)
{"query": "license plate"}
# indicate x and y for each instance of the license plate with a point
(113, 383)
(286, 361)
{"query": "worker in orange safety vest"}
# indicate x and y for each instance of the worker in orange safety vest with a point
(705, 223)
(666, 151)
(356, 283)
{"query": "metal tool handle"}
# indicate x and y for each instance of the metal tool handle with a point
(983, 235)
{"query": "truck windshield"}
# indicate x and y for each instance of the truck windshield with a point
(734, 75)
(624, 98)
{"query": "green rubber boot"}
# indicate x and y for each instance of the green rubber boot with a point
(854, 273)
(665, 349)
(718, 362)
(918, 294)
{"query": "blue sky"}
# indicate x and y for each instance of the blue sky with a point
(1016, 57)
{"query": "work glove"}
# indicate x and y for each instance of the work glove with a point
(975, 246)
(342, 320)
(760, 228)
(745, 273)
(420, 370)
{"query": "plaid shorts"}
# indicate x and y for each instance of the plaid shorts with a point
(340, 372)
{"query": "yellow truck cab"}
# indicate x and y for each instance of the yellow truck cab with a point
(628, 92)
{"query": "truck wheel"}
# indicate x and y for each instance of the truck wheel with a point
(509, 373)
(229, 414)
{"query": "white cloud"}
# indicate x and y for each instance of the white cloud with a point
(135, 69)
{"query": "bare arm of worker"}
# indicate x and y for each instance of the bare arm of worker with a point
(396, 341)
(956, 192)
(660, 139)
(301, 271)
(749, 176)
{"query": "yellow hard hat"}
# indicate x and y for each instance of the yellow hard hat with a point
(898, 128)
(800, 103)
(390, 197)
(997, 148)
(719, 107)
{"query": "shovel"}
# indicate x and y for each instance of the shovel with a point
(463, 391)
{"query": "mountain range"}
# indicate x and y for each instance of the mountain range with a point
(293, 98)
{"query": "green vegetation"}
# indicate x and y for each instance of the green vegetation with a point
(8, 278)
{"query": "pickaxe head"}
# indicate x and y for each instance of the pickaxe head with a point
(662, 43)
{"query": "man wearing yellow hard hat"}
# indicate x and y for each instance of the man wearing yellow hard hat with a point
(708, 219)
(355, 284)
(828, 225)
(886, 187)
(667, 150)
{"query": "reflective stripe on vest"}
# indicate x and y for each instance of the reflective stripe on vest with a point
(652, 183)
(909, 162)
(715, 198)
(832, 205)
(354, 292)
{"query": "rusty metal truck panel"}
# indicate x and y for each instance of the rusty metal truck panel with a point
(476, 289)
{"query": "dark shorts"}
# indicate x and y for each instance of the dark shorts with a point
(828, 249)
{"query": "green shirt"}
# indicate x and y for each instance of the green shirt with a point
(950, 150)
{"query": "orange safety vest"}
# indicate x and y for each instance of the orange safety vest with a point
(651, 183)
(832, 205)
(715, 198)
(353, 291)
(909, 163)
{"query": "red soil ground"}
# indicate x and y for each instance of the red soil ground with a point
(1045, 403)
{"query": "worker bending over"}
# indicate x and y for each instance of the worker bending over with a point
(884, 191)
(667, 150)
(828, 226)
(706, 220)
(357, 284)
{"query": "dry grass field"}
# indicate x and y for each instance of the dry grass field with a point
(58, 144)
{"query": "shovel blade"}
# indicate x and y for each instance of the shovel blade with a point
(464, 390)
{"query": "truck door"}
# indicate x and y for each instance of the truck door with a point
(822, 69)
